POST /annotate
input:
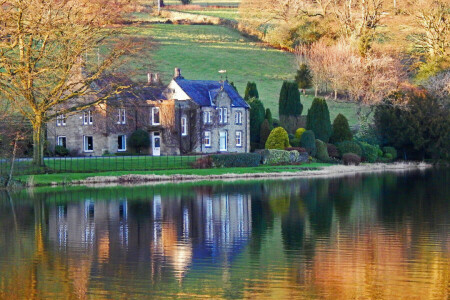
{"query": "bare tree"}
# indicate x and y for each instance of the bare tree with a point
(41, 43)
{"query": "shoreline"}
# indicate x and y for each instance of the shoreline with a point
(327, 171)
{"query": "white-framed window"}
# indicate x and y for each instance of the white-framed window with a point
(238, 117)
(61, 120)
(122, 143)
(88, 118)
(225, 115)
(121, 116)
(206, 117)
(88, 143)
(238, 138)
(184, 130)
(223, 140)
(155, 116)
(61, 141)
(207, 138)
(220, 115)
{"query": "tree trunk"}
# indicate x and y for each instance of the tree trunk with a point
(38, 142)
(335, 94)
(316, 88)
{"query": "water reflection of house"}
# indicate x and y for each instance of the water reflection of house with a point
(164, 233)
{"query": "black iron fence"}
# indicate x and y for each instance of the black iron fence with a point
(25, 166)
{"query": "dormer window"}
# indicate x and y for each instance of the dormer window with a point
(155, 116)
(87, 118)
(238, 117)
(121, 116)
(61, 120)
(223, 115)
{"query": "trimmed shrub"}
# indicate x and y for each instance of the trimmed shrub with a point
(299, 149)
(322, 152)
(351, 159)
(308, 141)
(279, 157)
(299, 132)
(139, 139)
(349, 147)
(264, 132)
(303, 77)
(289, 101)
(341, 130)
(204, 162)
(278, 139)
(390, 150)
(369, 152)
(251, 91)
(295, 142)
(257, 114)
(318, 120)
(332, 151)
(233, 160)
(61, 150)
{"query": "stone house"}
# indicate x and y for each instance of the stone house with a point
(187, 116)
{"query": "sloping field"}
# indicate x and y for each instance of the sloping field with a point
(202, 50)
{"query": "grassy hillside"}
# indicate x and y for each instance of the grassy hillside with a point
(202, 50)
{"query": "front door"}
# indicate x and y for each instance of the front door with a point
(156, 144)
(223, 141)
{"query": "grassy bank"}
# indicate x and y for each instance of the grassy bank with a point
(47, 179)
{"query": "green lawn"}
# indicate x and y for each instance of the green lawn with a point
(202, 50)
(45, 179)
(224, 13)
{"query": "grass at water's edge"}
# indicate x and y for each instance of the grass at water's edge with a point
(67, 178)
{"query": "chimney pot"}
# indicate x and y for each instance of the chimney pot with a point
(156, 78)
(177, 73)
(149, 78)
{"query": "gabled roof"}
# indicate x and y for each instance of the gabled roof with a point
(204, 91)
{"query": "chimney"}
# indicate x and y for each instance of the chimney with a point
(156, 78)
(177, 73)
(149, 78)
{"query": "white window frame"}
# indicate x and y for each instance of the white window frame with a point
(239, 138)
(88, 118)
(238, 118)
(121, 116)
(85, 143)
(225, 115)
(207, 137)
(206, 117)
(154, 109)
(220, 115)
(61, 120)
(58, 139)
(184, 131)
(124, 141)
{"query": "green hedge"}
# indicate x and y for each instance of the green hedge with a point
(280, 157)
(369, 152)
(236, 160)
(61, 151)
(349, 147)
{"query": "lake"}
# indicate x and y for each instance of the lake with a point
(372, 236)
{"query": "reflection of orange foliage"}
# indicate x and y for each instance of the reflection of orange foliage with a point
(179, 254)
(103, 248)
(376, 266)
(79, 273)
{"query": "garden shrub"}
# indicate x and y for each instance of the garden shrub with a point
(369, 152)
(390, 150)
(278, 139)
(318, 120)
(61, 151)
(299, 149)
(264, 132)
(291, 136)
(351, 159)
(139, 139)
(349, 147)
(236, 160)
(308, 141)
(257, 115)
(295, 142)
(280, 157)
(322, 152)
(341, 130)
(299, 132)
(332, 151)
(204, 162)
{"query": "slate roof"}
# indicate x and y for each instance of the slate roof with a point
(204, 91)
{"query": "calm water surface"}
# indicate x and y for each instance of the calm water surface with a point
(382, 236)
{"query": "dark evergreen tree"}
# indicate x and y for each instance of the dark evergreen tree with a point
(341, 130)
(264, 132)
(308, 141)
(269, 118)
(251, 91)
(303, 78)
(289, 102)
(139, 139)
(318, 120)
(257, 114)
(232, 84)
